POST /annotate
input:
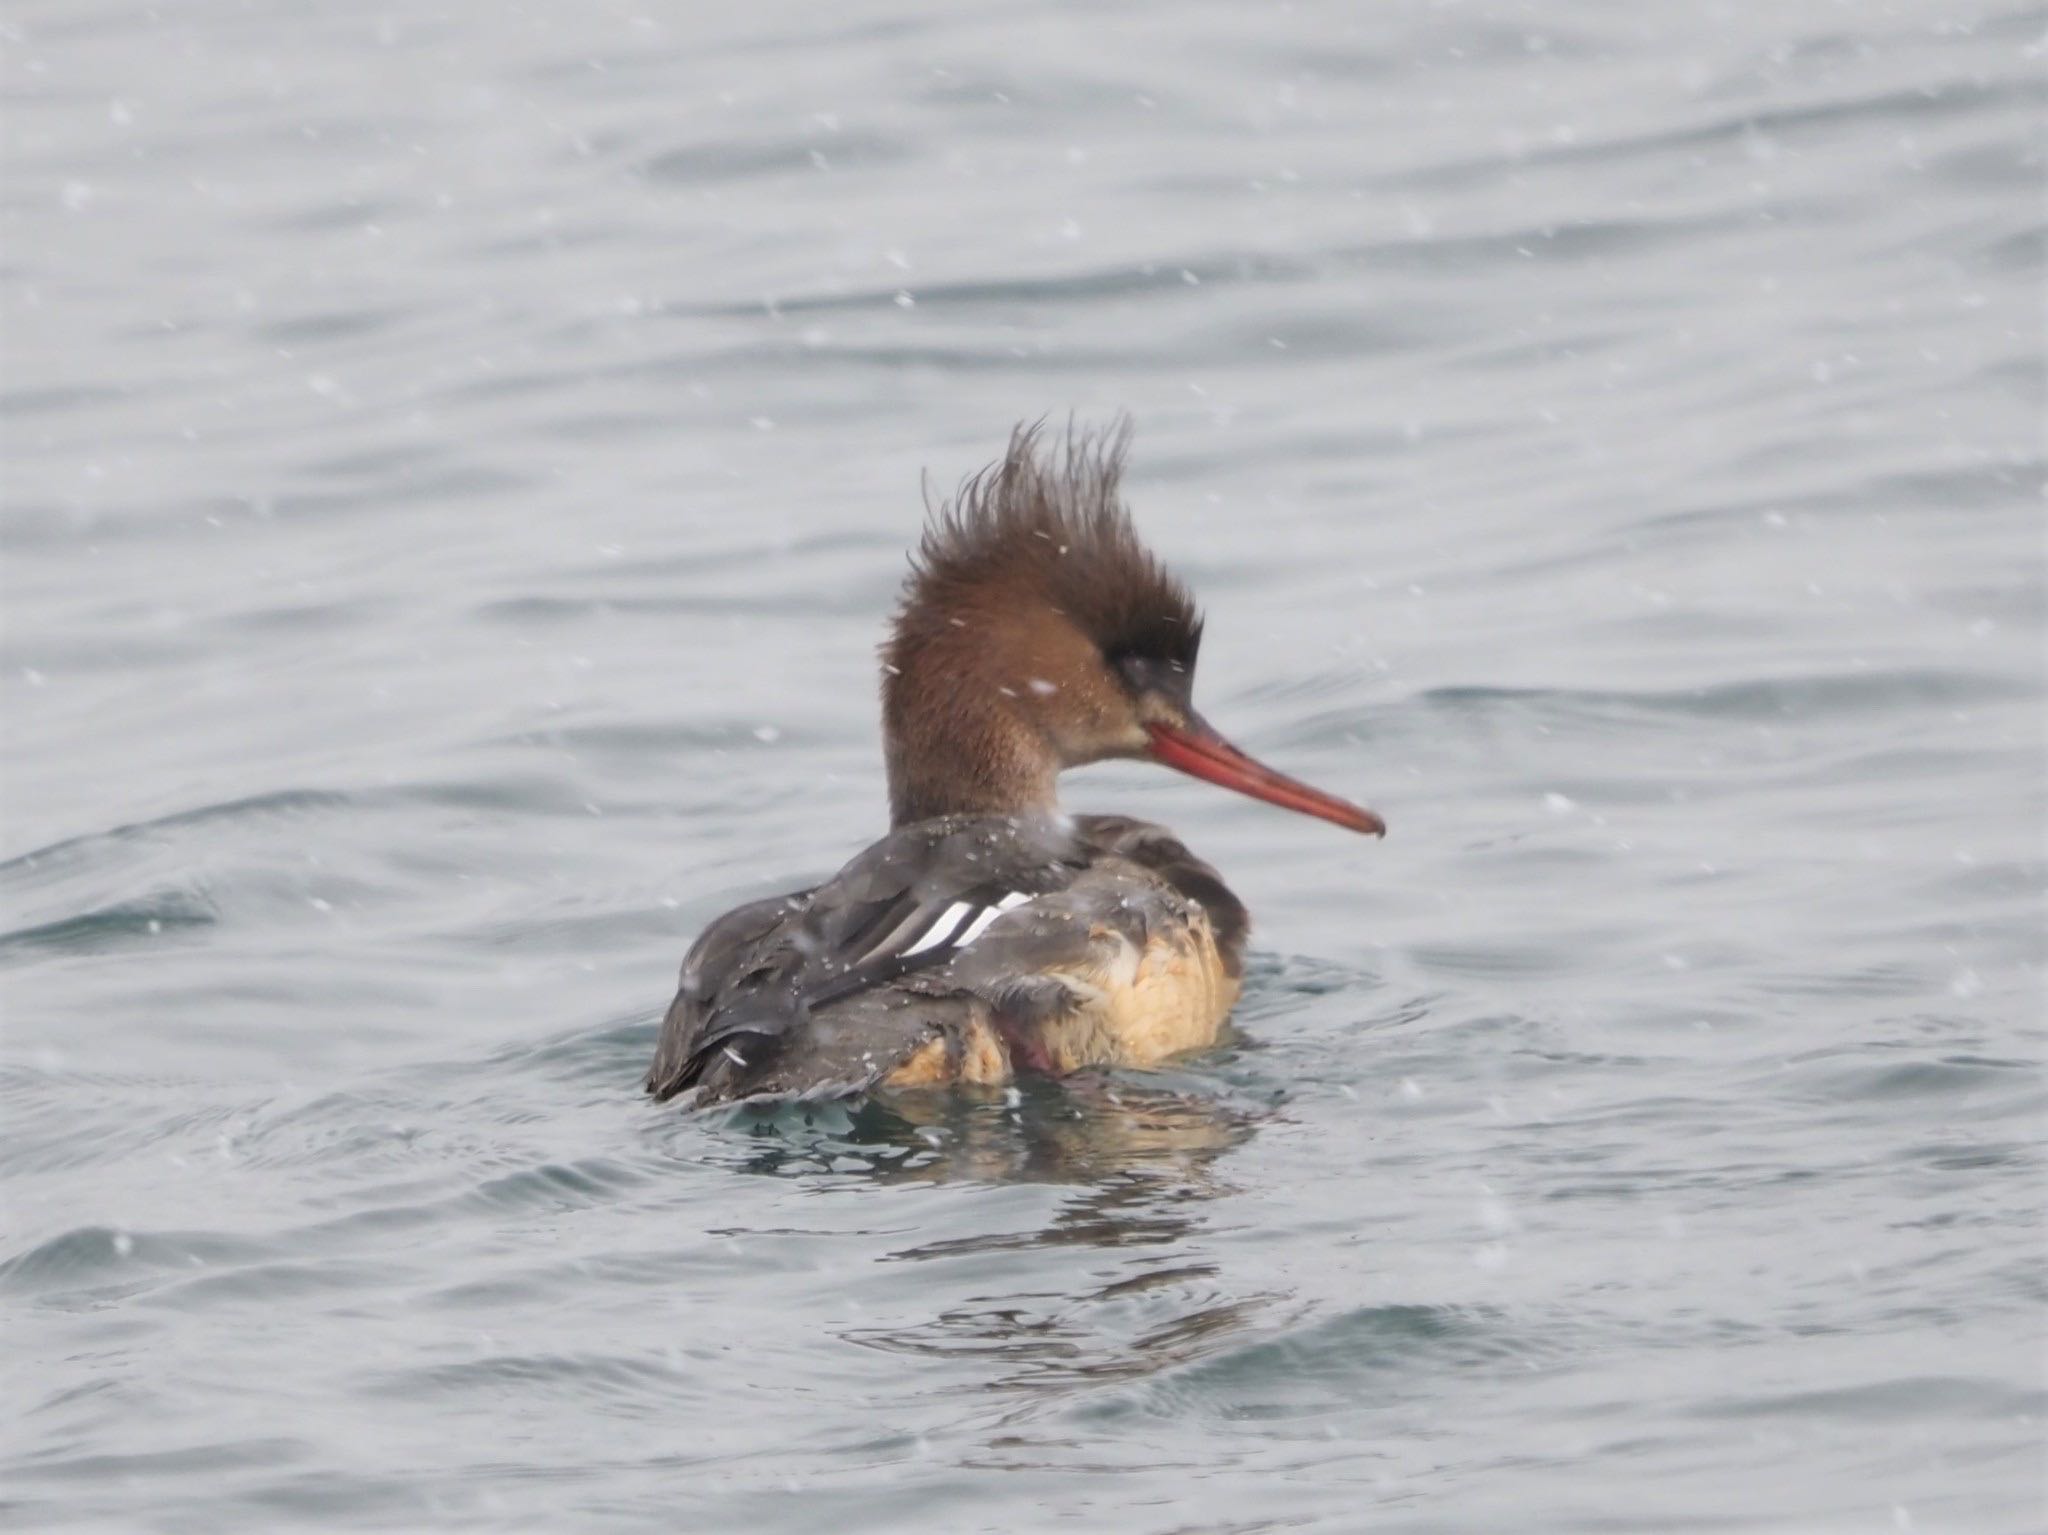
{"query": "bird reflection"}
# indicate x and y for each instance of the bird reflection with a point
(1088, 1129)
(1141, 1158)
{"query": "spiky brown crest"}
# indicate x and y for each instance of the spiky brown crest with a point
(1029, 610)
(1048, 523)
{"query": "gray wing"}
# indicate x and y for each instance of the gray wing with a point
(1155, 849)
(1051, 956)
(718, 951)
(797, 994)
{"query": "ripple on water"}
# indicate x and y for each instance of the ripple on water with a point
(1813, 697)
(1861, 1075)
(730, 159)
(208, 1459)
(143, 920)
(628, 1385)
(1903, 1398)
(281, 803)
(1366, 1355)
(99, 1260)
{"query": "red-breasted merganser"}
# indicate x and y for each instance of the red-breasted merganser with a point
(989, 934)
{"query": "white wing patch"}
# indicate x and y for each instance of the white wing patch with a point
(940, 930)
(950, 919)
(981, 923)
(978, 926)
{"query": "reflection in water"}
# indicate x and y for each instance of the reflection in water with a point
(1142, 1161)
(1045, 1343)
(1092, 1128)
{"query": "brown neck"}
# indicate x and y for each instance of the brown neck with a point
(963, 753)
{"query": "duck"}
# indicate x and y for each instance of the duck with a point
(989, 934)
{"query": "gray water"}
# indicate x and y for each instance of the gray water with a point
(457, 464)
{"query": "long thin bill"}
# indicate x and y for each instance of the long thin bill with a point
(1202, 753)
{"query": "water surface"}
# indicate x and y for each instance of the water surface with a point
(457, 465)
